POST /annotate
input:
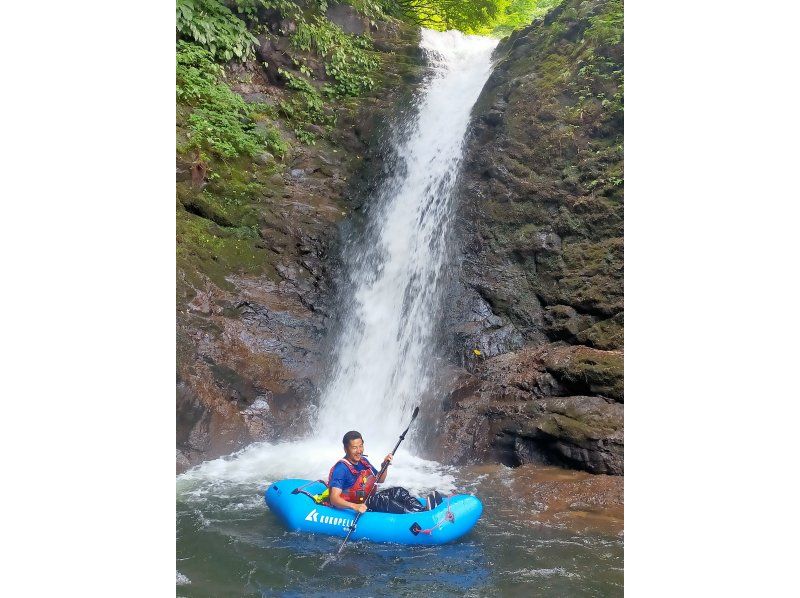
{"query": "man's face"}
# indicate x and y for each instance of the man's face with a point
(355, 449)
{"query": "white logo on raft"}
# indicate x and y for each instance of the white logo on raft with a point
(317, 518)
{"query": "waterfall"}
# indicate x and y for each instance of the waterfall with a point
(384, 356)
(381, 367)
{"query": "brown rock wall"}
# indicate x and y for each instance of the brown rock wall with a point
(541, 291)
(252, 314)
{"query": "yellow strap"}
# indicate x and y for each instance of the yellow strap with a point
(320, 498)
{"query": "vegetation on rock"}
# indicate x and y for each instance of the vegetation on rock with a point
(229, 145)
(555, 193)
(219, 120)
(211, 24)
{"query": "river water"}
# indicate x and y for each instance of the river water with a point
(544, 531)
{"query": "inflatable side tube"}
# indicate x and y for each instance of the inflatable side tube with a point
(449, 521)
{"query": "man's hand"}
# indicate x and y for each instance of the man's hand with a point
(359, 508)
(388, 459)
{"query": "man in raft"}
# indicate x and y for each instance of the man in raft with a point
(351, 479)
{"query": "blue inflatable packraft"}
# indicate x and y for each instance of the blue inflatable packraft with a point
(449, 521)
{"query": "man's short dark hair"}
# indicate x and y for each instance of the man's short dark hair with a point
(351, 435)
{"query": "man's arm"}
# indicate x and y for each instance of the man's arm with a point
(337, 501)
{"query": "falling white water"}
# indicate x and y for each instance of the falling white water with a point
(382, 366)
(384, 356)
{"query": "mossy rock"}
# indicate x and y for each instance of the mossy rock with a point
(593, 276)
(568, 428)
(586, 418)
(207, 206)
(583, 369)
(205, 248)
(565, 323)
(606, 334)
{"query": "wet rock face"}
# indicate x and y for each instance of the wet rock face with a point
(524, 407)
(250, 340)
(347, 18)
(537, 314)
(248, 358)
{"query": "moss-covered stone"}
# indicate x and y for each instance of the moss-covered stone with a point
(554, 404)
(585, 370)
(606, 334)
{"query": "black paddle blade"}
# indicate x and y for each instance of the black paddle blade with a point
(414, 415)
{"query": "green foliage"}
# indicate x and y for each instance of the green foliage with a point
(601, 76)
(212, 25)
(470, 17)
(607, 27)
(520, 13)
(306, 107)
(275, 142)
(318, 35)
(351, 67)
(348, 60)
(220, 122)
(287, 8)
(374, 10)
(349, 63)
(484, 17)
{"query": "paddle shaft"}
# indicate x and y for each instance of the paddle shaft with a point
(384, 466)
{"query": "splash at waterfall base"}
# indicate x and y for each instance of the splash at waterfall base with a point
(455, 517)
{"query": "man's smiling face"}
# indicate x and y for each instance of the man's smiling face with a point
(354, 450)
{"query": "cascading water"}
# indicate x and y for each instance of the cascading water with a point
(384, 350)
(384, 355)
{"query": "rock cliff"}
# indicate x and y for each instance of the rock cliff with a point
(537, 316)
(254, 244)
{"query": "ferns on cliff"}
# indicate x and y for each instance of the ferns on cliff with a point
(607, 27)
(220, 122)
(225, 33)
(212, 25)
(348, 60)
(306, 107)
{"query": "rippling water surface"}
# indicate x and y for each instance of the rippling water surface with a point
(539, 536)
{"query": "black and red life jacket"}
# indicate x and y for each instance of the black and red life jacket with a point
(365, 480)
